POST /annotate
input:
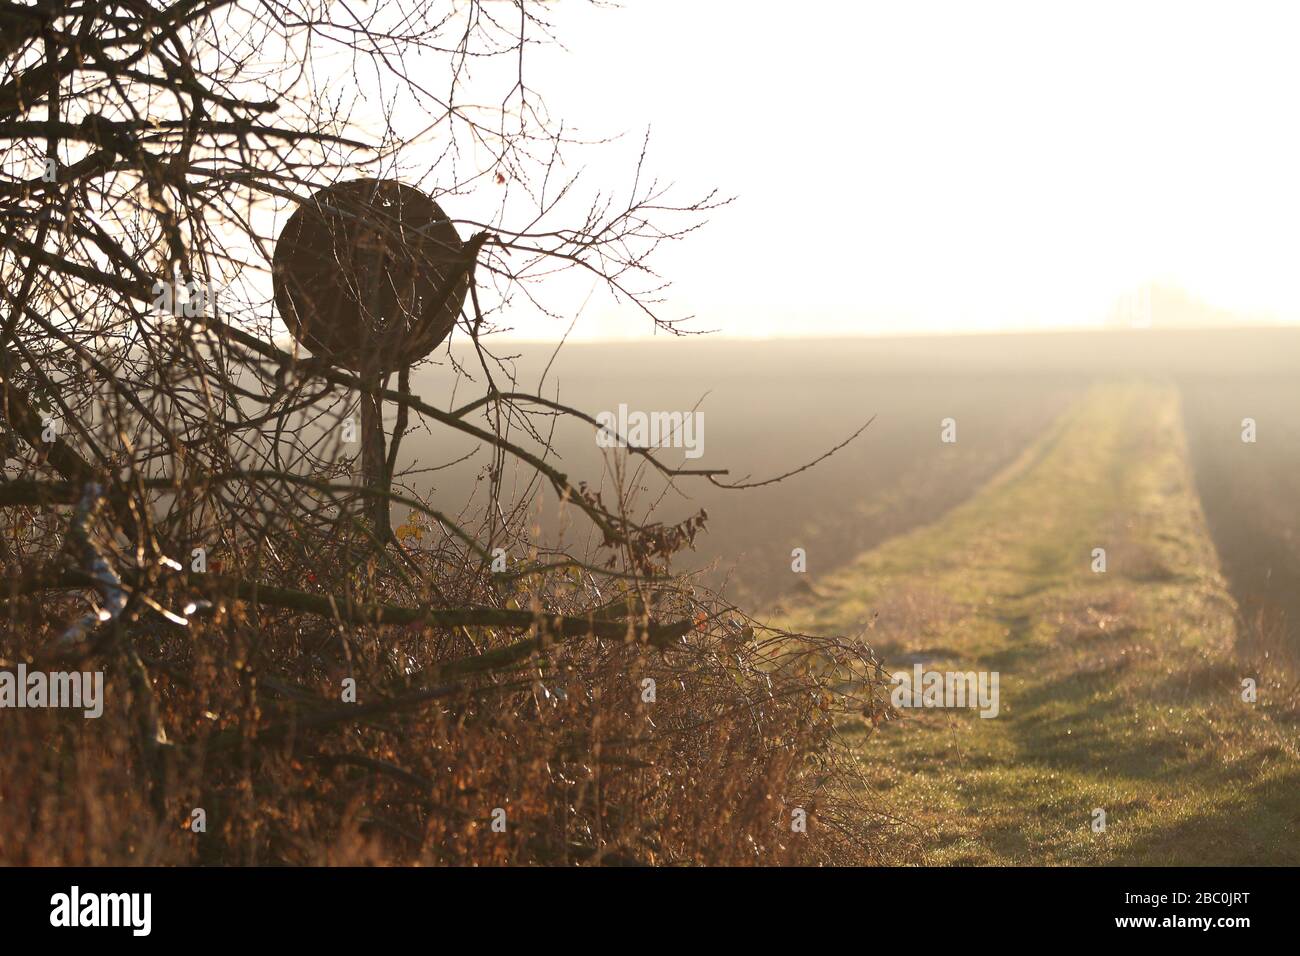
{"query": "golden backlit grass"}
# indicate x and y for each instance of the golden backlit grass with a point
(1120, 691)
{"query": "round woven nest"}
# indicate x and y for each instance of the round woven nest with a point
(363, 275)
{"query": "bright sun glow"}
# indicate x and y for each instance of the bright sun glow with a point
(949, 166)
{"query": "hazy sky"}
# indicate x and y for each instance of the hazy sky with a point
(948, 166)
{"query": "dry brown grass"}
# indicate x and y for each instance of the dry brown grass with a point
(742, 731)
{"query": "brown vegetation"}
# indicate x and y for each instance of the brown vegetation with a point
(179, 473)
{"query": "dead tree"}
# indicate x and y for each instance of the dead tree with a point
(172, 456)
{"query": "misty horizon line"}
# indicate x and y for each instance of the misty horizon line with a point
(892, 334)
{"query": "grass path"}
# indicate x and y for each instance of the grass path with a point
(1118, 690)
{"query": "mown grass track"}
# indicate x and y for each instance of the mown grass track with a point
(1119, 691)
